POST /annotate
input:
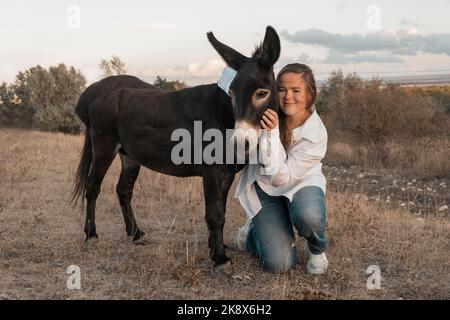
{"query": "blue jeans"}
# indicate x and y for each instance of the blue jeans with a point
(271, 236)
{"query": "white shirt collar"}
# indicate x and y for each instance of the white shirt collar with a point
(226, 78)
(310, 130)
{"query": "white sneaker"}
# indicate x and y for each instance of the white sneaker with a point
(240, 238)
(317, 263)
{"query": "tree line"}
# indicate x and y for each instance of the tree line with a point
(373, 110)
(45, 99)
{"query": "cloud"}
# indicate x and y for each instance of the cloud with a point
(304, 58)
(208, 68)
(287, 59)
(338, 57)
(341, 5)
(409, 23)
(401, 42)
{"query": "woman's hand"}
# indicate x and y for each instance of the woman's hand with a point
(269, 119)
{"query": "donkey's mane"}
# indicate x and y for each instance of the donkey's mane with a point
(257, 53)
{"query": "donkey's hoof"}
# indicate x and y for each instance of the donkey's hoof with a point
(224, 269)
(90, 243)
(140, 239)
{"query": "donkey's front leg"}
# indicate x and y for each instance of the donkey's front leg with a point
(216, 186)
(215, 219)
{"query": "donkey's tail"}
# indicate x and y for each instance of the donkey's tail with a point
(81, 175)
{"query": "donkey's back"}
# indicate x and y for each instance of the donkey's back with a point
(100, 90)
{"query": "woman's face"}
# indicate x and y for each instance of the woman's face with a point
(293, 93)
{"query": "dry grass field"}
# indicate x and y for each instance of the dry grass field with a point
(41, 235)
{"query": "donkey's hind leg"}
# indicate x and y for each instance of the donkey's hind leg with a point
(128, 176)
(103, 149)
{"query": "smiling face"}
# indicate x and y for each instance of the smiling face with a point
(293, 93)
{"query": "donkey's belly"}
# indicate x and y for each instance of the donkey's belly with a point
(178, 171)
(153, 150)
(161, 164)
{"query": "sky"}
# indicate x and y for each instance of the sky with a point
(168, 38)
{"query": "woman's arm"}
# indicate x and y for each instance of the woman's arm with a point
(279, 169)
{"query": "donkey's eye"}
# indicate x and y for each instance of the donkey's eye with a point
(260, 97)
(261, 94)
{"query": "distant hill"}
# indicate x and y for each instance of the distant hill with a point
(404, 80)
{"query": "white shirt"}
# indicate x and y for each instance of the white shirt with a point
(300, 167)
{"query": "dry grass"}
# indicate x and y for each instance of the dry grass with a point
(377, 125)
(41, 235)
(420, 157)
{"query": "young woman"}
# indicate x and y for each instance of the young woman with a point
(292, 198)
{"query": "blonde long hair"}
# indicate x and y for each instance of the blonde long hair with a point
(307, 74)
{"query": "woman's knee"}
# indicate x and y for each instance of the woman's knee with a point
(307, 210)
(312, 217)
(280, 261)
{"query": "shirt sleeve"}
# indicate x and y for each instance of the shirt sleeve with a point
(280, 169)
(226, 78)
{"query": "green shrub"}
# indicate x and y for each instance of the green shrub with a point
(372, 111)
(441, 99)
(164, 84)
(16, 115)
(43, 98)
(58, 119)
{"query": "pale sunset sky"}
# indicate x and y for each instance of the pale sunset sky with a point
(168, 38)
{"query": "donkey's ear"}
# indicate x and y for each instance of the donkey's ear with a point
(271, 48)
(232, 58)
